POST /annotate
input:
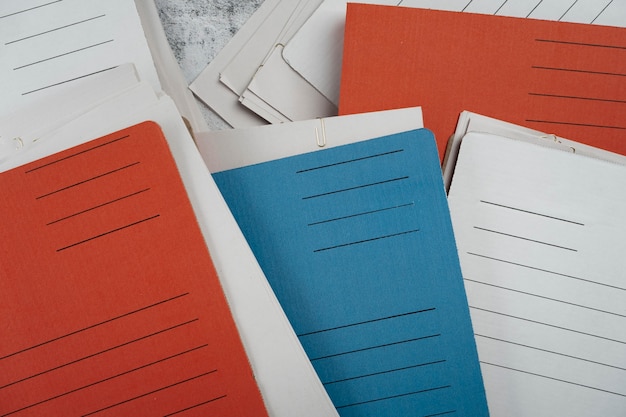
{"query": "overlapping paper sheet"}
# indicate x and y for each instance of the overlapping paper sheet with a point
(315, 51)
(278, 363)
(48, 46)
(354, 239)
(540, 229)
(565, 78)
(249, 82)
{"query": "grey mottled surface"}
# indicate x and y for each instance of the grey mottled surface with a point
(198, 29)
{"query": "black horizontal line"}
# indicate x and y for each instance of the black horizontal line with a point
(546, 271)
(87, 180)
(349, 161)
(107, 379)
(98, 206)
(394, 396)
(360, 214)
(443, 413)
(547, 298)
(95, 325)
(78, 153)
(366, 240)
(54, 30)
(388, 371)
(66, 81)
(221, 397)
(524, 238)
(531, 212)
(28, 10)
(550, 351)
(616, 74)
(604, 100)
(554, 379)
(368, 321)
(554, 122)
(63, 54)
(108, 233)
(355, 188)
(150, 393)
(594, 45)
(376, 347)
(549, 325)
(98, 353)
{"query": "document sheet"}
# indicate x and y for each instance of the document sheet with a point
(540, 233)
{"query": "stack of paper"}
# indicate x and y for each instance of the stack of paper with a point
(355, 239)
(540, 229)
(127, 285)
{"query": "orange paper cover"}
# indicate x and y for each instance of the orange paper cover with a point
(109, 302)
(563, 78)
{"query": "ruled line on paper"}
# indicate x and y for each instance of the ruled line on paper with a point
(557, 122)
(550, 351)
(387, 371)
(545, 270)
(530, 212)
(116, 200)
(546, 298)
(65, 188)
(63, 54)
(358, 187)
(554, 379)
(364, 213)
(66, 81)
(501, 233)
(372, 239)
(108, 232)
(602, 11)
(176, 355)
(77, 154)
(426, 310)
(350, 161)
(54, 30)
(395, 396)
(221, 397)
(75, 361)
(400, 342)
(112, 319)
(579, 70)
(605, 100)
(593, 45)
(548, 325)
(29, 9)
(151, 392)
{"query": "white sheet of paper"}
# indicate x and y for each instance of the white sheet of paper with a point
(540, 233)
(315, 51)
(207, 86)
(473, 122)
(221, 150)
(47, 45)
(276, 356)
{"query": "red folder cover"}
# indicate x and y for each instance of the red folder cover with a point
(563, 78)
(109, 302)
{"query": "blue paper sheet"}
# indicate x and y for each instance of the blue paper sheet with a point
(357, 243)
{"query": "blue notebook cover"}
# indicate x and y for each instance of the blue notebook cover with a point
(357, 243)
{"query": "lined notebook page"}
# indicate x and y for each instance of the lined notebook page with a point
(46, 45)
(357, 244)
(110, 304)
(540, 234)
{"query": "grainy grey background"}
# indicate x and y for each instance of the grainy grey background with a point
(197, 30)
